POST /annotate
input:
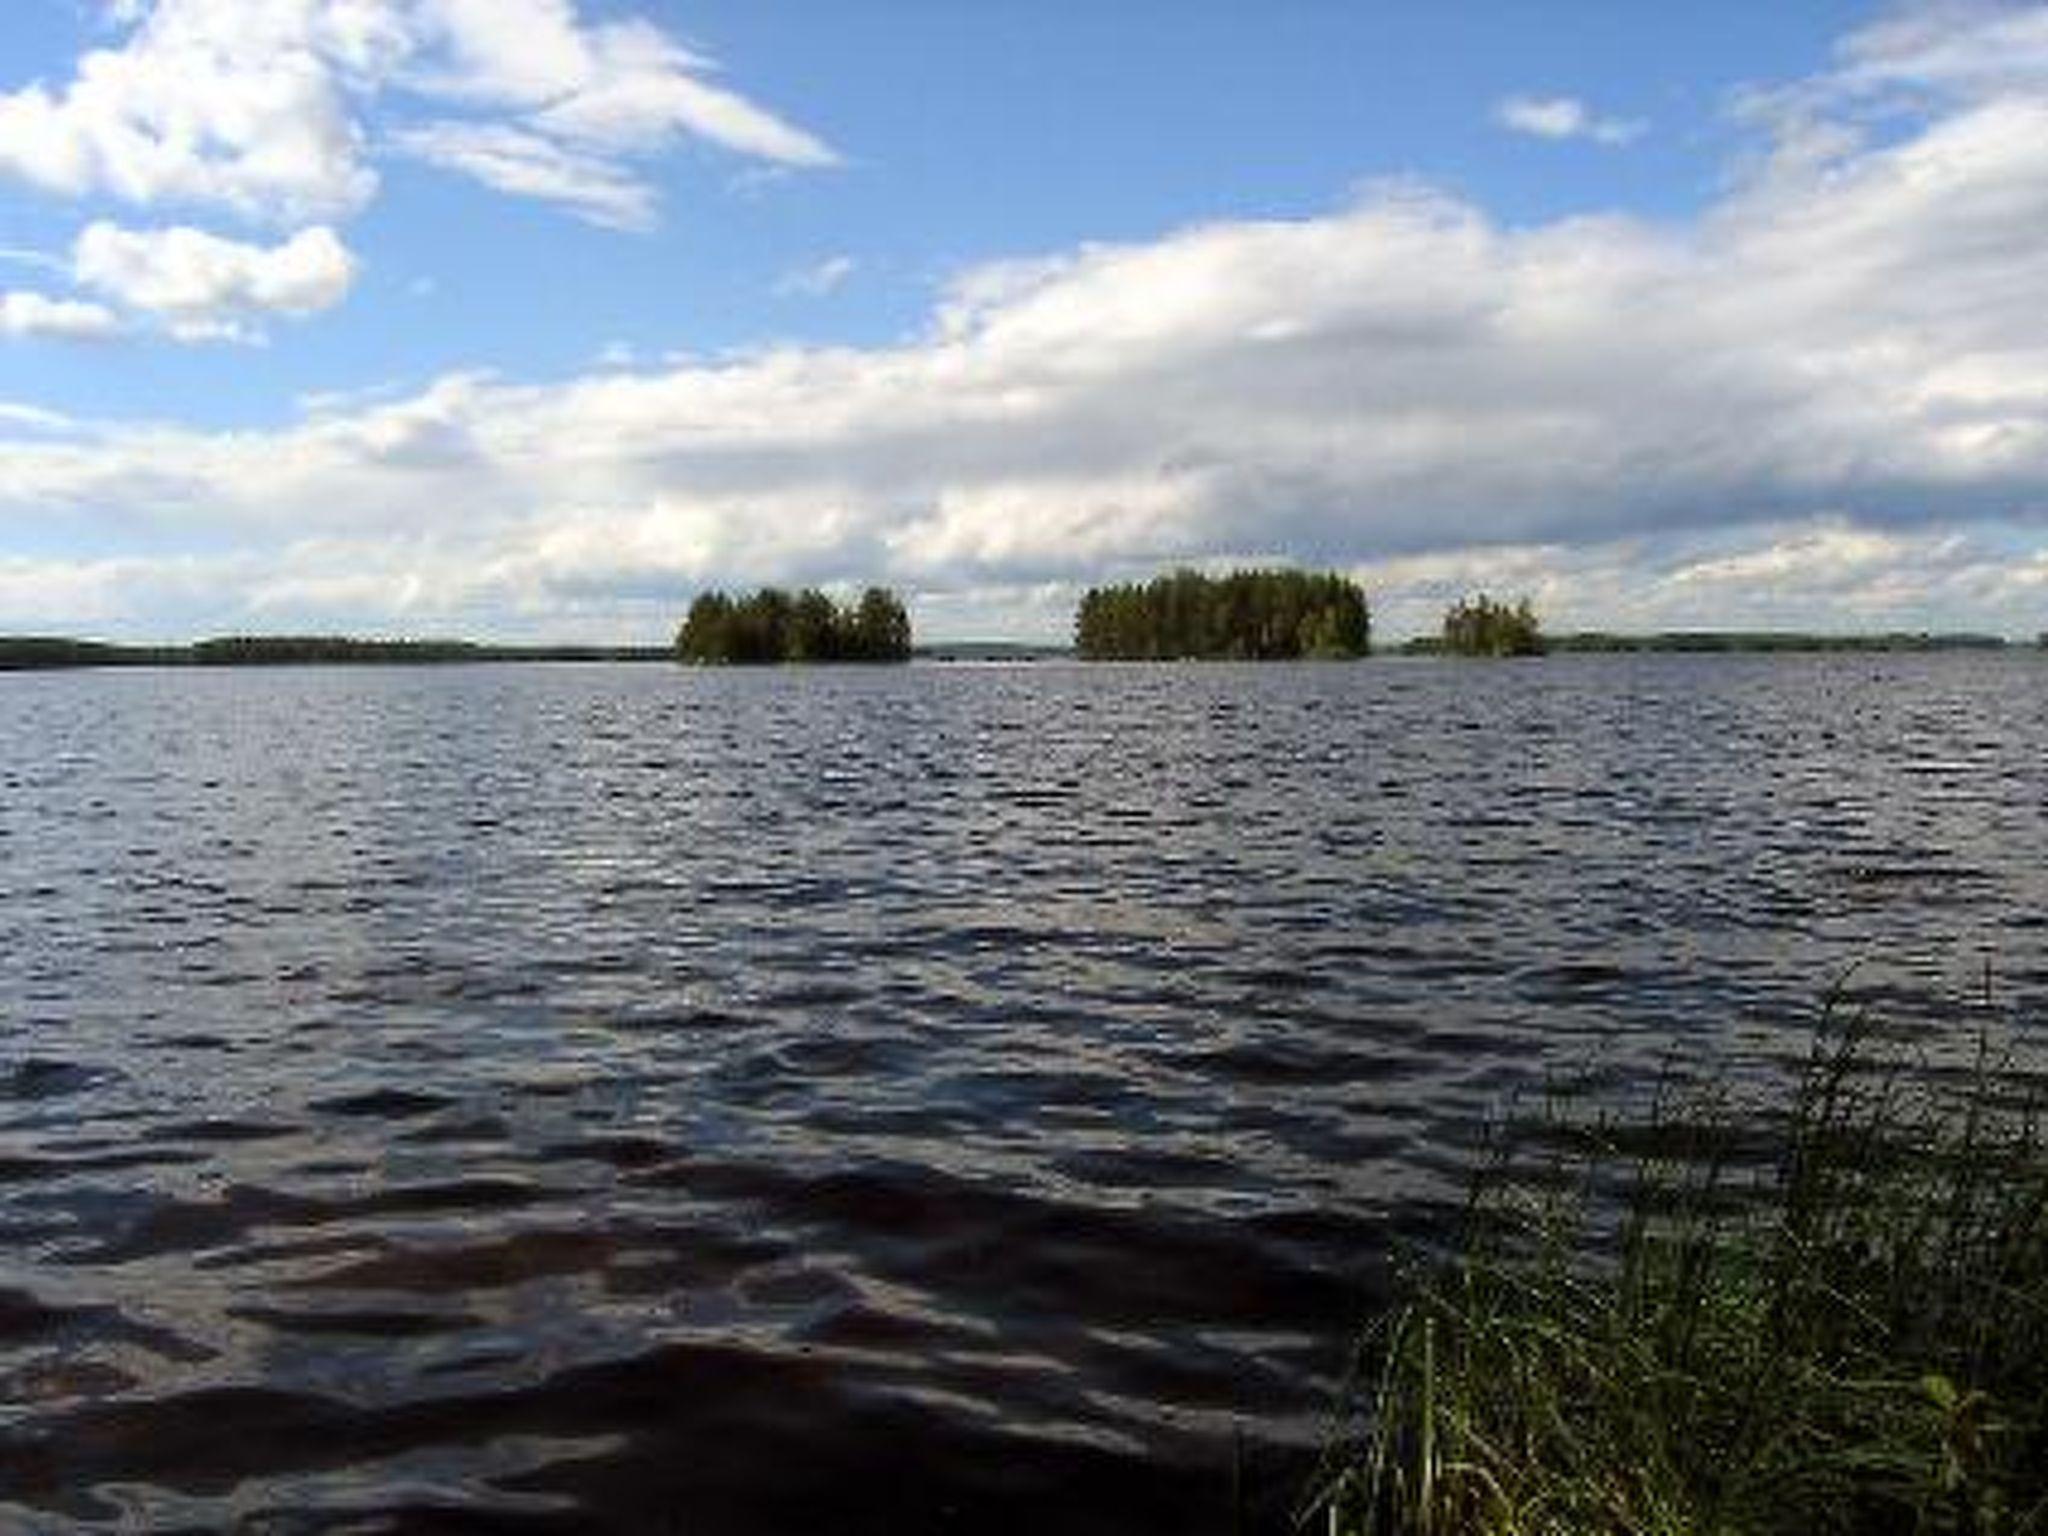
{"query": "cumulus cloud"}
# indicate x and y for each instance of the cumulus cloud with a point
(1564, 117)
(202, 285)
(267, 108)
(208, 101)
(1821, 401)
(25, 313)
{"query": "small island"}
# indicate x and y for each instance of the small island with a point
(1486, 626)
(1273, 615)
(775, 626)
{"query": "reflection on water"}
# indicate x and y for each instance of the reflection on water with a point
(529, 1098)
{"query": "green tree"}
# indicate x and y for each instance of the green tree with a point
(881, 627)
(706, 634)
(814, 628)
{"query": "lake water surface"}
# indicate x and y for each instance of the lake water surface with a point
(935, 1098)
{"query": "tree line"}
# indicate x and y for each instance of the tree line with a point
(50, 652)
(1745, 641)
(775, 626)
(1245, 616)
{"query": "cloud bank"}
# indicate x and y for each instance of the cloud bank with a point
(1825, 401)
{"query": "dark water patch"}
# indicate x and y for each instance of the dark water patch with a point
(40, 1078)
(357, 1322)
(225, 1131)
(1267, 980)
(30, 1320)
(1280, 1062)
(201, 1042)
(1578, 976)
(382, 1104)
(477, 1128)
(454, 1196)
(25, 1316)
(176, 1225)
(681, 1021)
(62, 1163)
(1141, 1170)
(622, 1152)
(490, 1263)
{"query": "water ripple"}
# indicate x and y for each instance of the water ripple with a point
(569, 1099)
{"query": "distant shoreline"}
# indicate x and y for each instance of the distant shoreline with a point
(1711, 641)
(52, 653)
(49, 653)
(24, 653)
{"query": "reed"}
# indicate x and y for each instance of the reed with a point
(1827, 1313)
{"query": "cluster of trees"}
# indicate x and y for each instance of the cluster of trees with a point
(1482, 626)
(774, 625)
(1245, 616)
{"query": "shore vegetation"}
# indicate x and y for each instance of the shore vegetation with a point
(1824, 1315)
(1275, 615)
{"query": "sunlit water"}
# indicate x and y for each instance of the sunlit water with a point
(944, 1098)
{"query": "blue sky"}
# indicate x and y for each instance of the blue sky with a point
(521, 317)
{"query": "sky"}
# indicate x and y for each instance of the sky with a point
(530, 319)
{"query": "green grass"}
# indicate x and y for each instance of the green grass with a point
(1828, 1313)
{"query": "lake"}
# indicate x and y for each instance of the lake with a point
(980, 1098)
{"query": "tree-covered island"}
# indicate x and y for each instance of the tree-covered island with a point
(1244, 616)
(1486, 626)
(777, 626)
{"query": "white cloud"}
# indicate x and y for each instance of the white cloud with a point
(1564, 117)
(527, 164)
(29, 314)
(208, 101)
(33, 418)
(640, 90)
(1820, 403)
(269, 109)
(816, 279)
(204, 286)
(1968, 47)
